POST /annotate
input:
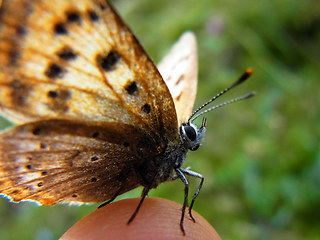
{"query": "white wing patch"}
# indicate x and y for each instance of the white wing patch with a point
(179, 69)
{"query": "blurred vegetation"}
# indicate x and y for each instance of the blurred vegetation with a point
(260, 158)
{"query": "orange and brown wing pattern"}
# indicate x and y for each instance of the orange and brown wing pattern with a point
(78, 60)
(58, 161)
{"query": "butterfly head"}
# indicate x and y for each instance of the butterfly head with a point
(192, 135)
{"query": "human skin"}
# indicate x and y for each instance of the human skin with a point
(157, 219)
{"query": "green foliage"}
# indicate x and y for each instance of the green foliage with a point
(260, 158)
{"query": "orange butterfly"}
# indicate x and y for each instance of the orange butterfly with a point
(96, 117)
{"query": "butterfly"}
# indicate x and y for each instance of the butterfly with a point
(95, 116)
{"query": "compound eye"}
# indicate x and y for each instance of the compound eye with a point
(190, 132)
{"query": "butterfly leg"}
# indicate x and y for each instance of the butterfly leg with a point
(193, 174)
(174, 177)
(186, 192)
(111, 199)
(143, 196)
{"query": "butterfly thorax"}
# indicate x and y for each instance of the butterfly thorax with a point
(162, 167)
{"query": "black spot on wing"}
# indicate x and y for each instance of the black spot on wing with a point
(60, 29)
(73, 17)
(103, 7)
(36, 131)
(53, 94)
(66, 54)
(61, 94)
(53, 71)
(58, 100)
(131, 88)
(93, 16)
(20, 30)
(146, 108)
(95, 134)
(108, 62)
(94, 179)
(94, 158)
(42, 146)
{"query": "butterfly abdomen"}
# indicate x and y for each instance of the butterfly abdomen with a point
(161, 168)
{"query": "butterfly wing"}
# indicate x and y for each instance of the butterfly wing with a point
(70, 68)
(179, 69)
(57, 161)
(78, 60)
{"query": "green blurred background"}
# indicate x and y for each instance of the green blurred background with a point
(260, 158)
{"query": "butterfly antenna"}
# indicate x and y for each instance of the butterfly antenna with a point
(243, 77)
(249, 95)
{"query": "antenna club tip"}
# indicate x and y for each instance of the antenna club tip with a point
(249, 71)
(251, 94)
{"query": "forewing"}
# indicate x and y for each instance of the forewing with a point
(179, 69)
(78, 60)
(58, 161)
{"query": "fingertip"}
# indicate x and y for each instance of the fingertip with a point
(157, 219)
